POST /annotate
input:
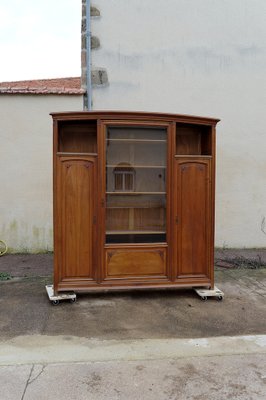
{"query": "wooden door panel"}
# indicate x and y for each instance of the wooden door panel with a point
(192, 217)
(135, 262)
(76, 204)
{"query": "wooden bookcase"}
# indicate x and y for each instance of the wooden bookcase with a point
(133, 200)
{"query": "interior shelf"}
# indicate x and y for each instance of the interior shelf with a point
(137, 207)
(193, 140)
(64, 153)
(138, 166)
(135, 232)
(134, 193)
(77, 137)
(137, 140)
(192, 156)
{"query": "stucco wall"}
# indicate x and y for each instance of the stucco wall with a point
(206, 58)
(26, 168)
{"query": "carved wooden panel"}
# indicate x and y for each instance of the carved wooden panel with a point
(192, 216)
(76, 206)
(135, 262)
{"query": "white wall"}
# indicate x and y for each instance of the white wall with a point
(201, 57)
(26, 168)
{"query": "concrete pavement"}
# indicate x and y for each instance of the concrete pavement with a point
(36, 349)
(26, 310)
(178, 369)
(131, 345)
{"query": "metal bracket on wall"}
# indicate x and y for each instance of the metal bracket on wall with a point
(55, 299)
(205, 293)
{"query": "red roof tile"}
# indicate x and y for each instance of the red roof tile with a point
(43, 86)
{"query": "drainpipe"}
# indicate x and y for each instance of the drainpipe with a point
(88, 54)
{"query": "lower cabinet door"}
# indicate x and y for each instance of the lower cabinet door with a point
(75, 218)
(133, 262)
(193, 225)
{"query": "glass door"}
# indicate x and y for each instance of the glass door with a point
(136, 184)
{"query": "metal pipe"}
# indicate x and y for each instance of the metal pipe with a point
(88, 54)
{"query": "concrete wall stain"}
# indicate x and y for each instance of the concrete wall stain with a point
(13, 226)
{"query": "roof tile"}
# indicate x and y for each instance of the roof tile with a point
(71, 86)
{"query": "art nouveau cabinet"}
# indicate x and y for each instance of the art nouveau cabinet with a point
(133, 200)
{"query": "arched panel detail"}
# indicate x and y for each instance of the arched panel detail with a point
(193, 213)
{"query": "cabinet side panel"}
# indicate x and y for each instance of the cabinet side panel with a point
(56, 182)
(193, 217)
(76, 201)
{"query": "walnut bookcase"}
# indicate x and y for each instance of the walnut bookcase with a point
(133, 200)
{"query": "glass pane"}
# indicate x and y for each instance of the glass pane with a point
(137, 153)
(141, 133)
(141, 180)
(135, 213)
(136, 185)
(118, 181)
(128, 177)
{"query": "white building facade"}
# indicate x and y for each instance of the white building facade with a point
(203, 58)
(26, 172)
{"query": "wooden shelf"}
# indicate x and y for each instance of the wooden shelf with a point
(137, 140)
(192, 156)
(76, 137)
(136, 166)
(136, 207)
(135, 232)
(72, 153)
(134, 193)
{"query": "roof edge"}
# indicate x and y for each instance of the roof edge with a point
(55, 86)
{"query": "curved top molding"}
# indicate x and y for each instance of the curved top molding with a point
(133, 115)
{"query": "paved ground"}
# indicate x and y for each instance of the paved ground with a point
(135, 345)
(217, 378)
(25, 309)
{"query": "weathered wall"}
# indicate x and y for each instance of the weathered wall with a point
(99, 75)
(26, 168)
(203, 57)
